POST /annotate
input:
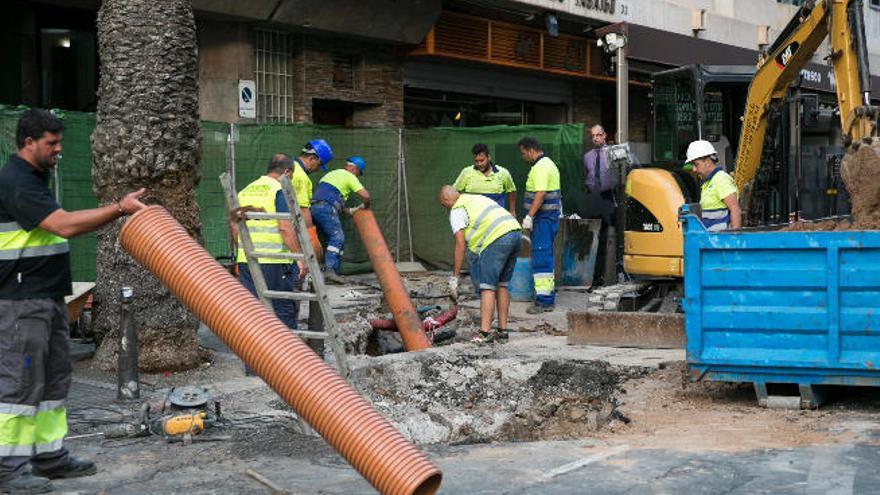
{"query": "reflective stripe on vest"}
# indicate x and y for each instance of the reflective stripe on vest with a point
(265, 234)
(544, 283)
(28, 430)
(17, 243)
(499, 198)
(487, 221)
(552, 200)
(716, 220)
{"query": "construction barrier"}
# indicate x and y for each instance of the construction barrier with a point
(427, 158)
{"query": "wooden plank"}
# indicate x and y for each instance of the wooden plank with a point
(623, 329)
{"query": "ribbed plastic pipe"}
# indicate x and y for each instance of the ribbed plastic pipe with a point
(315, 391)
(405, 315)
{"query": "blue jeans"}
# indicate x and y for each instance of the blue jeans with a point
(280, 277)
(494, 266)
(543, 233)
(326, 218)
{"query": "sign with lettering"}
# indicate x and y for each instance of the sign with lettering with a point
(247, 99)
(604, 6)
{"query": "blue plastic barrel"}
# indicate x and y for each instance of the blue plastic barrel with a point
(522, 285)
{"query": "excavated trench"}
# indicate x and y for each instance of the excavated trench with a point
(460, 393)
(477, 397)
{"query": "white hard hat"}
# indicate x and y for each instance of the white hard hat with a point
(700, 149)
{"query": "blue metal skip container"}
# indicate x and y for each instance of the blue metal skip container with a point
(782, 307)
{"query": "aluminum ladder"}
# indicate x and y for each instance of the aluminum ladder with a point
(318, 299)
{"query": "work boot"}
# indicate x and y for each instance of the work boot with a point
(75, 468)
(26, 484)
(536, 309)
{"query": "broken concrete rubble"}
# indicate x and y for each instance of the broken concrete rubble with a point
(466, 394)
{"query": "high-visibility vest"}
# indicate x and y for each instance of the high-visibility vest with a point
(487, 221)
(494, 186)
(264, 233)
(717, 186)
(543, 176)
(17, 243)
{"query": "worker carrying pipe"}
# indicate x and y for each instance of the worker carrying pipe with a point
(489, 235)
(328, 202)
(34, 278)
(315, 155)
(719, 198)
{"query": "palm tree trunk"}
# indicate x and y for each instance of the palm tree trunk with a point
(147, 135)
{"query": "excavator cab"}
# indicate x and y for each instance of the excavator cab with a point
(690, 103)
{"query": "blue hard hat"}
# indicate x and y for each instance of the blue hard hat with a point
(321, 149)
(357, 162)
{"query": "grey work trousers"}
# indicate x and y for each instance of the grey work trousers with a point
(35, 368)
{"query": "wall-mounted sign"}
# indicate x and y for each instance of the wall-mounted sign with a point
(247, 99)
(605, 6)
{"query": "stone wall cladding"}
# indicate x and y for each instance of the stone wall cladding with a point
(376, 88)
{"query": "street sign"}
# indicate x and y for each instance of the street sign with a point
(247, 99)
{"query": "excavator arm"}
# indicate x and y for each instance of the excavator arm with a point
(843, 21)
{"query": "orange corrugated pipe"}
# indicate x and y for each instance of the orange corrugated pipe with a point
(405, 315)
(315, 391)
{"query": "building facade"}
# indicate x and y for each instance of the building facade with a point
(421, 63)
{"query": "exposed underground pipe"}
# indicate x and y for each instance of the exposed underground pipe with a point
(315, 391)
(428, 324)
(405, 315)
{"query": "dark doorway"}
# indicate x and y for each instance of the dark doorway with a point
(332, 112)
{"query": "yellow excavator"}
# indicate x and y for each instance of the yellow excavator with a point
(705, 96)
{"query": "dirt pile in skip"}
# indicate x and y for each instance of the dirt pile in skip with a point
(479, 395)
(860, 171)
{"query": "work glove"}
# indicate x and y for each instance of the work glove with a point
(453, 287)
(351, 211)
(527, 222)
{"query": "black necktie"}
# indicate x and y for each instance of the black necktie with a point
(597, 170)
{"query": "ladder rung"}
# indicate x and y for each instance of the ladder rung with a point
(310, 335)
(295, 296)
(271, 254)
(260, 215)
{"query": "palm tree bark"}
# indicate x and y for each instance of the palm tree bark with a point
(147, 135)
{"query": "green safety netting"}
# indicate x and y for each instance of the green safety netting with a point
(432, 157)
(436, 156)
(74, 178)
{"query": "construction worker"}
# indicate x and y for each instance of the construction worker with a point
(315, 155)
(487, 179)
(718, 194)
(328, 201)
(35, 366)
(491, 235)
(543, 205)
(273, 236)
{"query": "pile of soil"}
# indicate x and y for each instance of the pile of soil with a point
(860, 170)
(830, 225)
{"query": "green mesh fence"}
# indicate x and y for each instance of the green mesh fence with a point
(255, 145)
(436, 156)
(212, 202)
(433, 157)
(73, 175)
